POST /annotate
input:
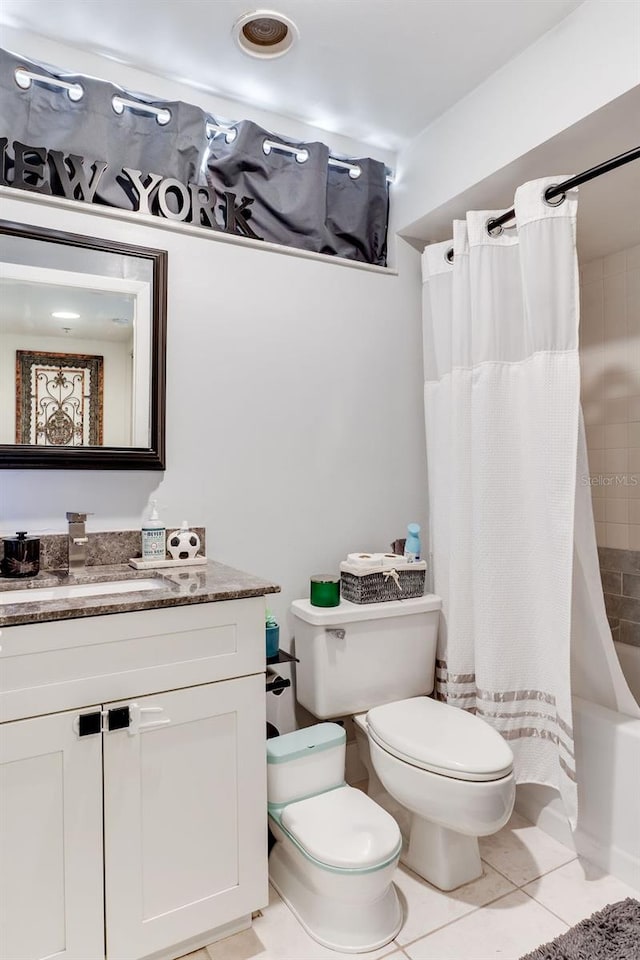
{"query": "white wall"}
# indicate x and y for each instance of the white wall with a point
(294, 409)
(295, 428)
(116, 382)
(583, 63)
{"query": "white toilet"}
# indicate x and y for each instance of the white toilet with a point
(336, 850)
(446, 775)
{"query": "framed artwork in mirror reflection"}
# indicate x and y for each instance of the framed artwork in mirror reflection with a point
(59, 399)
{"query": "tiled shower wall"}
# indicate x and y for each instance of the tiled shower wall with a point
(620, 571)
(610, 362)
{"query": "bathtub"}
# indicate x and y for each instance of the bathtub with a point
(608, 763)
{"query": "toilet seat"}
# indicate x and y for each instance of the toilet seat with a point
(440, 738)
(343, 829)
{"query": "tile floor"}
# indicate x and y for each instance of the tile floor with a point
(532, 889)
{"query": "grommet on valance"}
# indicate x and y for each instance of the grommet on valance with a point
(354, 169)
(213, 129)
(24, 78)
(300, 153)
(162, 114)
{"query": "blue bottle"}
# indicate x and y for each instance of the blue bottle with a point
(272, 635)
(412, 545)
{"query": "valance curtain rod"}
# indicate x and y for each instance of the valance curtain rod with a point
(555, 195)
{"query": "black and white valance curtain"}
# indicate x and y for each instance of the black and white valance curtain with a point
(298, 195)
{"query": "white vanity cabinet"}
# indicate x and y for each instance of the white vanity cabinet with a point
(50, 841)
(184, 817)
(141, 830)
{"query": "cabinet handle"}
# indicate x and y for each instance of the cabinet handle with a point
(88, 724)
(136, 713)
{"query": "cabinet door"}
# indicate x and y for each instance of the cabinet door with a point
(51, 895)
(185, 816)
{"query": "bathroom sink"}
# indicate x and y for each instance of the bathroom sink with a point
(67, 590)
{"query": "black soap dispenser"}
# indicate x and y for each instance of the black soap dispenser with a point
(21, 555)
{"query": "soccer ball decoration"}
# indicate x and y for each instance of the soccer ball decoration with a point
(183, 544)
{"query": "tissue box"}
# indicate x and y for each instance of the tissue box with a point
(361, 584)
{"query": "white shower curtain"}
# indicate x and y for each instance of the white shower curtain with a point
(502, 404)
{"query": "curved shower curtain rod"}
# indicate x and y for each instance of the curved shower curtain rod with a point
(555, 194)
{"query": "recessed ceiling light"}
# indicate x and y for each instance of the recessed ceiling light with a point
(265, 33)
(65, 315)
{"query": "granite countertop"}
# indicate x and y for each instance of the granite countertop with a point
(181, 585)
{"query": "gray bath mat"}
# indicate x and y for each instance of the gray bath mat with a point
(610, 934)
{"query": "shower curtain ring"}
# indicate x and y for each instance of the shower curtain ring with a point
(554, 201)
(493, 229)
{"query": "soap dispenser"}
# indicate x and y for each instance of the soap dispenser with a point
(154, 545)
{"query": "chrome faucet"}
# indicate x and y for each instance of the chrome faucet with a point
(78, 541)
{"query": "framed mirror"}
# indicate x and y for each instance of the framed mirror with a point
(82, 351)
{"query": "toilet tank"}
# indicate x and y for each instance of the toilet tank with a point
(356, 656)
(306, 762)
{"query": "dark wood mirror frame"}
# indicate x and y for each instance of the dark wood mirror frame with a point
(21, 456)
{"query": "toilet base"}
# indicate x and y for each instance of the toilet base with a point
(349, 914)
(446, 856)
(443, 857)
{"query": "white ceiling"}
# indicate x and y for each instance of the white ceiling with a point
(378, 71)
(26, 308)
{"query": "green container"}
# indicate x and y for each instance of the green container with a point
(325, 591)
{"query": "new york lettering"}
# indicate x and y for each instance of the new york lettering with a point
(53, 172)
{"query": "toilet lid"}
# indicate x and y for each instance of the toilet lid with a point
(443, 739)
(343, 828)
